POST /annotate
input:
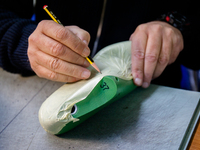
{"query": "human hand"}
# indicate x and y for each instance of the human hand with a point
(154, 45)
(58, 53)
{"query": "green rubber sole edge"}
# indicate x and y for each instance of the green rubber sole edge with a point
(108, 90)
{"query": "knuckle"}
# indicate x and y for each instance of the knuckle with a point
(141, 27)
(157, 27)
(137, 71)
(42, 23)
(30, 52)
(57, 49)
(62, 33)
(34, 67)
(54, 64)
(139, 54)
(32, 38)
(169, 32)
(53, 76)
(39, 74)
(151, 57)
(132, 37)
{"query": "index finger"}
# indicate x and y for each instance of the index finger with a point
(65, 36)
(138, 47)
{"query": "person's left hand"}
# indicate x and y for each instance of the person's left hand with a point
(154, 45)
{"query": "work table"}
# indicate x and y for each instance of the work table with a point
(154, 118)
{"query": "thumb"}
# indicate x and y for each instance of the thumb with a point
(82, 34)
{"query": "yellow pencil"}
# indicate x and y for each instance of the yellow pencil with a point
(51, 14)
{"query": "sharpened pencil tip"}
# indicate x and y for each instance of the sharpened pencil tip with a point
(95, 67)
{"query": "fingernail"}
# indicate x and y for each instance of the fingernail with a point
(85, 74)
(145, 85)
(85, 52)
(138, 81)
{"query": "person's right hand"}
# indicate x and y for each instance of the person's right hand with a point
(58, 53)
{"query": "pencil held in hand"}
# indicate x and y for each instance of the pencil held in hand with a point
(51, 14)
(89, 59)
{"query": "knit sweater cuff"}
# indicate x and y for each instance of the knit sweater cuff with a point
(20, 58)
(14, 46)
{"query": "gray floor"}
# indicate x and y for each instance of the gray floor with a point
(153, 118)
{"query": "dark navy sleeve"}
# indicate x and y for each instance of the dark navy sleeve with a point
(14, 33)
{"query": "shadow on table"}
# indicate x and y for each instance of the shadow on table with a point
(119, 118)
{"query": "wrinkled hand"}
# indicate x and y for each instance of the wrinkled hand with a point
(154, 45)
(58, 53)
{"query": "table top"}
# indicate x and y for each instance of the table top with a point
(155, 118)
